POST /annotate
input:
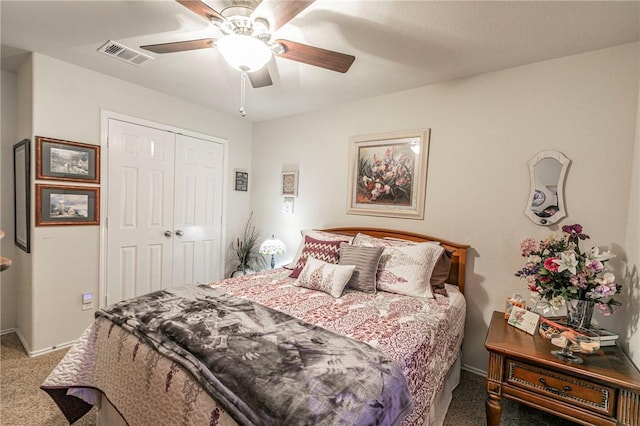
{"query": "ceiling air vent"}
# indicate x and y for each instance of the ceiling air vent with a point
(123, 53)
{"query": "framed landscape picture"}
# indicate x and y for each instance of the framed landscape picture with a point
(67, 205)
(388, 174)
(67, 161)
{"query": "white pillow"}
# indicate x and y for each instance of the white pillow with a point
(407, 270)
(329, 278)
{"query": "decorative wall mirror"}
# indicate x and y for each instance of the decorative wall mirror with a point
(547, 170)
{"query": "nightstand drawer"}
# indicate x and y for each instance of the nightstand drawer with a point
(562, 387)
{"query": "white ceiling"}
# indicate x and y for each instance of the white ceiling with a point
(397, 44)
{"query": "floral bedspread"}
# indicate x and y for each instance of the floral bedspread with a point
(422, 336)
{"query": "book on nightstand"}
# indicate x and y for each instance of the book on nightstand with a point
(607, 338)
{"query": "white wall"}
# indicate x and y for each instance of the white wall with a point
(8, 123)
(67, 104)
(17, 119)
(484, 130)
(632, 272)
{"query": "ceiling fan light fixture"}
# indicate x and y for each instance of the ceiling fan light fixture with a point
(243, 52)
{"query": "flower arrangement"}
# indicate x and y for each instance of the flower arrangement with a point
(559, 271)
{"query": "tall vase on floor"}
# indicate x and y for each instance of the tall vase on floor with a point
(579, 312)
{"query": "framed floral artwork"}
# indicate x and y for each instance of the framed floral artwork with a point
(388, 174)
(67, 205)
(67, 161)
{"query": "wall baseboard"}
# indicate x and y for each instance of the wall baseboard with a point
(23, 341)
(474, 370)
(39, 352)
(51, 349)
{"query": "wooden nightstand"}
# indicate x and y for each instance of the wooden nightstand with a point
(604, 390)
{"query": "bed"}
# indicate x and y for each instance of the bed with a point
(135, 381)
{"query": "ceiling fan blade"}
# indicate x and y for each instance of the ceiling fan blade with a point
(201, 9)
(279, 12)
(260, 78)
(180, 46)
(316, 56)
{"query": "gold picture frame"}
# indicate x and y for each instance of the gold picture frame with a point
(62, 160)
(58, 205)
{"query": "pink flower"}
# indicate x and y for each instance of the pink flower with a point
(527, 246)
(596, 265)
(401, 181)
(534, 287)
(604, 291)
(578, 280)
(605, 310)
(550, 265)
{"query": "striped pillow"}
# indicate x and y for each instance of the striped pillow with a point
(327, 251)
(366, 261)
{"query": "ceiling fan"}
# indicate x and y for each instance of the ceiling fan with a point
(247, 26)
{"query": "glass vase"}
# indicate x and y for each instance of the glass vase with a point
(579, 312)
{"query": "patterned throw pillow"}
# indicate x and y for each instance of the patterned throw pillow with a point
(404, 269)
(441, 269)
(366, 261)
(327, 251)
(326, 277)
(318, 235)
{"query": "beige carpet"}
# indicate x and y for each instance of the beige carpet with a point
(22, 402)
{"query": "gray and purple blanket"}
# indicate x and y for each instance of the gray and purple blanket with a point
(264, 366)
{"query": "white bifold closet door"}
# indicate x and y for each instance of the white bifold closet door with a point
(164, 217)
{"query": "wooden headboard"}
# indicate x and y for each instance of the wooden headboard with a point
(458, 258)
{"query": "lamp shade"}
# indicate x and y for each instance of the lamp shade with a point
(272, 246)
(243, 52)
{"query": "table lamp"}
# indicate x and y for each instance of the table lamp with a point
(272, 246)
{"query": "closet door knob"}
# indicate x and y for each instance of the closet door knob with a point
(179, 232)
(168, 234)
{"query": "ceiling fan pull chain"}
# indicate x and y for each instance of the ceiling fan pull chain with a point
(243, 79)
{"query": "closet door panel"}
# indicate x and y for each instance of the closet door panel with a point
(198, 210)
(140, 210)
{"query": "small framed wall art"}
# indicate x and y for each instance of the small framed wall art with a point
(67, 205)
(241, 180)
(289, 184)
(287, 205)
(67, 161)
